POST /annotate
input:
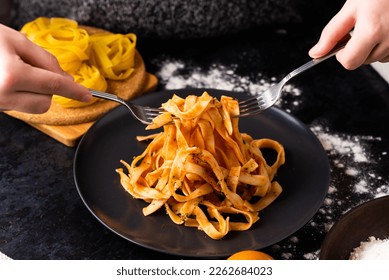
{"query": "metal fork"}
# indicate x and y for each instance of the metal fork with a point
(143, 114)
(268, 98)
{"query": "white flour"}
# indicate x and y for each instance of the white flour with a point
(372, 249)
(352, 155)
(342, 144)
(173, 74)
(218, 77)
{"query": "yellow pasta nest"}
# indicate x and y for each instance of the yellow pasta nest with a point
(201, 169)
(90, 59)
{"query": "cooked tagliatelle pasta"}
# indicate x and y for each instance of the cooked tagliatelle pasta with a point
(202, 169)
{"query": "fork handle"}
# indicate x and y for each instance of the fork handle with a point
(340, 45)
(106, 95)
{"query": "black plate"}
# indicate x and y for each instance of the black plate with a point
(304, 178)
(356, 226)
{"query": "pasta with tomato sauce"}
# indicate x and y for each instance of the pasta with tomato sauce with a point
(201, 169)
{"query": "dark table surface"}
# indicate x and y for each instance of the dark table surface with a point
(43, 217)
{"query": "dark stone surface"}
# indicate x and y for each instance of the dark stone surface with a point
(171, 18)
(42, 216)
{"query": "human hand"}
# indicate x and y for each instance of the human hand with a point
(29, 75)
(370, 38)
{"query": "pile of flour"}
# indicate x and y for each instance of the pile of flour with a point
(372, 249)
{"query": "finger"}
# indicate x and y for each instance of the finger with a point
(37, 56)
(27, 102)
(41, 72)
(354, 54)
(362, 47)
(41, 81)
(379, 53)
(338, 27)
(47, 76)
(385, 59)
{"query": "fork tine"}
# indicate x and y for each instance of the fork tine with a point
(154, 110)
(249, 101)
(152, 114)
(257, 104)
(252, 106)
(149, 118)
(253, 112)
(139, 112)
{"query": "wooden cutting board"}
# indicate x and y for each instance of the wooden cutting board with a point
(69, 135)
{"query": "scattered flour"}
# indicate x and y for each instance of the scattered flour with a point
(174, 75)
(218, 77)
(361, 187)
(372, 249)
(351, 171)
(342, 144)
(311, 256)
(287, 256)
(351, 153)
